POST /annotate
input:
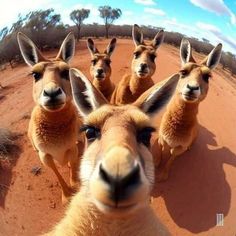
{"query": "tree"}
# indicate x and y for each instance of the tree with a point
(41, 25)
(205, 40)
(109, 15)
(78, 16)
(3, 33)
(41, 20)
(16, 26)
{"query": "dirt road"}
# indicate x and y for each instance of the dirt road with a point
(202, 182)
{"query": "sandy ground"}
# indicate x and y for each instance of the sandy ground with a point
(202, 182)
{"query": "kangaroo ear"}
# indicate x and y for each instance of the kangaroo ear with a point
(155, 98)
(213, 58)
(186, 52)
(86, 97)
(29, 51)
(158, 39)
(111, 47)
(67, 48)
(137, 35)
(91, 46)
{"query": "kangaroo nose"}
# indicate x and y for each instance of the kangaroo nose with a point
(192, 88)
(143, 66)
(100, 71)
(52, 93)
(119, 187)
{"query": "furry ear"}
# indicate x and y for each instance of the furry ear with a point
(157, 96)
(186, 52)
(91, 46)
(111, 47)
(29, 51)
(213, 57)
(67, 48)
(158, 39)
(86, 97)
(137, 35)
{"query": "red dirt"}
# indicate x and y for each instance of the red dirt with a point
(202, 182)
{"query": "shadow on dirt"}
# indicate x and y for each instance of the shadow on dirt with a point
(197, 188)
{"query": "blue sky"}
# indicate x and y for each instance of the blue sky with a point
(214, 20)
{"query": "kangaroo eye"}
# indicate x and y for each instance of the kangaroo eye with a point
(37, 76)
(108, 62)
(91, 132)
(183, 72)
(206, 77)
(65, 74)
(152, 57)
(94, 62)
(144, 135)
(136, 55)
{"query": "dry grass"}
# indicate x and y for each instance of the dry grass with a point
(9, 147)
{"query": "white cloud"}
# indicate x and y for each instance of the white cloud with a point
(200, 30)
(11, 9)
(220, 37)
(216, 6)
(28, 5)
(206, 26)
(145, 2)
(172, 24)
(154, 11)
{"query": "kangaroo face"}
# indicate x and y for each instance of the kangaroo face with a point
(51, 87)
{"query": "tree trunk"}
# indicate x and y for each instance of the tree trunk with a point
(78, 33)
(107, 29)
(10, 62)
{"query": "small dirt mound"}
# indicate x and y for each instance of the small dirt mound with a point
(8, 145)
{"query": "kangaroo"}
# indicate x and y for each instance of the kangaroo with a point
(100, 68)
(142, 68)
(116, 171)
(179, 124)
(53, 127)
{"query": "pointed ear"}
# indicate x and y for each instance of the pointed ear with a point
(186, 52)
(137, 35)
(111, 47)
(158, 39)
(91, 46)
(29, 51)
(86, 97)
(213, 58)
(157, 96)
(67, 48)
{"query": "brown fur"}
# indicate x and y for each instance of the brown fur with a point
(113, 156)
(53, 127)
(179, 125)
(102, 61)
(84, 219)
(129, 89)
(132, 86)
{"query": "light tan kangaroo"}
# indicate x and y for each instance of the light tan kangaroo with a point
(116, 171)
(100, 68)
(142, 68)
(53, 127)
(179, 125)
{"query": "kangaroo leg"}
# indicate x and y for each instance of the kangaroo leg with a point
(157, 153)
(74, 166)
(174, 153)
(48, 161)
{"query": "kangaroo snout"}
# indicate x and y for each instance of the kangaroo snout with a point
(52, 93)
(192, 88)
